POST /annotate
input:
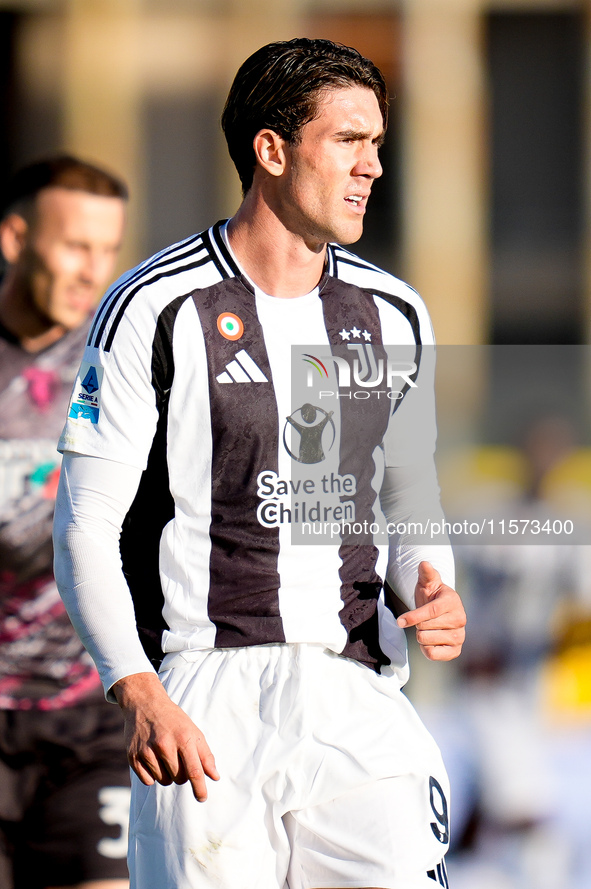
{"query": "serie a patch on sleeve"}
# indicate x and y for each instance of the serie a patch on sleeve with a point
(86, 398)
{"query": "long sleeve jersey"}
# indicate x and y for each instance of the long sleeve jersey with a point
(242, 442)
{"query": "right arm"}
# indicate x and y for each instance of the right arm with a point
(163, 743)
(94, 496)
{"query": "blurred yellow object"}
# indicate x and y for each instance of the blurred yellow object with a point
(499, 462)
(568, 484)
(566, 685)
(566, 677)
(489, 474)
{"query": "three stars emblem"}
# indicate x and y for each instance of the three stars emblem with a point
(355, 333)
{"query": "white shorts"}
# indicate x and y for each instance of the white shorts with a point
(328, 779)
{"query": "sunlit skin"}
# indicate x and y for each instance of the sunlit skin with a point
(310, 193)
(330, 172)
(60, 261)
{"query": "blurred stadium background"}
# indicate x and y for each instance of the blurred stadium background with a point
(485, 208)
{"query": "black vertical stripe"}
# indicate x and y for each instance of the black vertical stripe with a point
(244, 580)
(363, 425)
(153, 505)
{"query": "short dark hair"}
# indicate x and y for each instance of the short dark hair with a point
(63, 171)
(280, 87)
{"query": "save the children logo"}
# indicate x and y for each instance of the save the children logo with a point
(308, 424)
(326, 499)
(330, 444)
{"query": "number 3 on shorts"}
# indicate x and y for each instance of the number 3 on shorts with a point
(439, 806)
(114, 810)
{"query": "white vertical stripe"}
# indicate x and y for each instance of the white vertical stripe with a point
(310, 589)
(186, 544)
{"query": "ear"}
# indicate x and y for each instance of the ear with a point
(13, 236)
(269, 149)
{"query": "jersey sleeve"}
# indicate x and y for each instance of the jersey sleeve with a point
(113, 409)
(410, 495)
(93, 498)
(409, 498)
(410, 348)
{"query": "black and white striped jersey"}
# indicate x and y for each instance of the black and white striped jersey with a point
(188, 375)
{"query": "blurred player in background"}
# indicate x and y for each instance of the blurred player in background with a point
(64, 794)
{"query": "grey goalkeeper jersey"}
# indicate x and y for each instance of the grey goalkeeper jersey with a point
(43, 664)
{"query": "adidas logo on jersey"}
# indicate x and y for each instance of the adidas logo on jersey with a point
(242, 369)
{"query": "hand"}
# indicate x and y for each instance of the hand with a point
(163, 743)
(439, 616)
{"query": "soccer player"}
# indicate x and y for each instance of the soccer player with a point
(64, 786)
(280, 656)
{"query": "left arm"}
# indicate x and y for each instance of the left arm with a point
(420, 561)
(422, 573)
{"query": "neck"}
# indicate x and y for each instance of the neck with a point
(280, 262)
(19, 315)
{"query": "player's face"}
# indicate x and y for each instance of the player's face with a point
(69, 253)
(331, 170)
